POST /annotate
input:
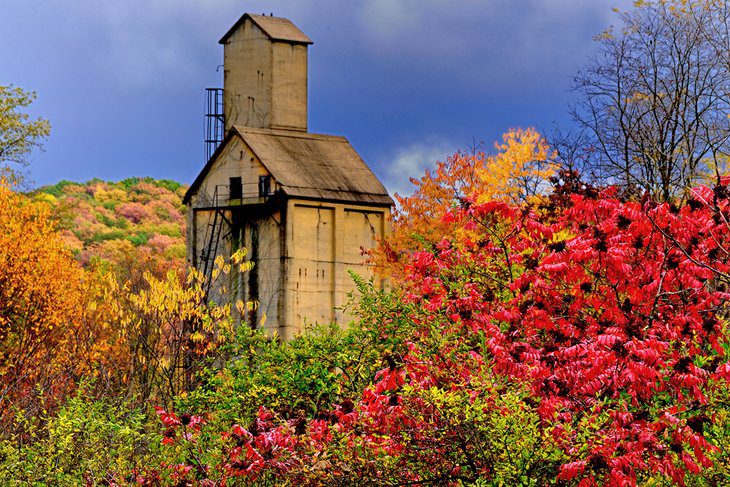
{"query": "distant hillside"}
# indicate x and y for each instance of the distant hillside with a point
(133, 225)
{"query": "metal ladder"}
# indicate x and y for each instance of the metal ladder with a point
(215, 233)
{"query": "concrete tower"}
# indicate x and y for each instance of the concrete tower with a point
(265, 74)
(304, 205)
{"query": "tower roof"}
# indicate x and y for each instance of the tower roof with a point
(277, 28)
(309, 166)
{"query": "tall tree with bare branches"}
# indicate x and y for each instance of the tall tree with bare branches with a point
(653, 103)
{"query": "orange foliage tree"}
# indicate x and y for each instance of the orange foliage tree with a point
(516, 173)
(140, 333)
(55, 317)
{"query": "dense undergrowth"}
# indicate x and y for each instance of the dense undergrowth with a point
(576, 338)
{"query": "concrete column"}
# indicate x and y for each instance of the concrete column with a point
(340, 277)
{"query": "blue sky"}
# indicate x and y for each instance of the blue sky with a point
(407, 81)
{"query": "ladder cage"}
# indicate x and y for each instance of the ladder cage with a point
(214, 120)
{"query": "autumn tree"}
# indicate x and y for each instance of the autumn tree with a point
(653, 102)
(131, 227)
(55, 318)
(172, 329)
(19, 133)
(517, 172)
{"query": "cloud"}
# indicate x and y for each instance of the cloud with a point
(502, 44)
(381, 72)
(148, 44)
(144, 44)
(411, 162)
(153, 43)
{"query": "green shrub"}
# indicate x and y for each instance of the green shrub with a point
(168, 184)
(139, 238)
(110, 235)
(88, 442)
(111, 222)
(306, 375)
(57, 189)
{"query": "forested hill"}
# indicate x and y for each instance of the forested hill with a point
(134, 224)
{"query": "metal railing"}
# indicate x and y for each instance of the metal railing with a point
(250, 194)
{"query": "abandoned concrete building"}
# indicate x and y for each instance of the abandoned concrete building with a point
(304, 205)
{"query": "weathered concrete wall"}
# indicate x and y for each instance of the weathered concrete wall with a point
(262, 229)
(265, 81)
(236, 160)
(247, 77)
(310, 276)
(261, 237)
(324, 242)
(289, 86)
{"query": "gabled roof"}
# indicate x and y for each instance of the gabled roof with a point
(310, 166)
(277, 28)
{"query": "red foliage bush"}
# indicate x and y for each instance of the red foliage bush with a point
(610, 312)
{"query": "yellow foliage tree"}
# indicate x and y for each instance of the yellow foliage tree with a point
(55, 322)
(172, 327)
(516, 173)
(61, 324)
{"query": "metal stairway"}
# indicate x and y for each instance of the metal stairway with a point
(218, 230)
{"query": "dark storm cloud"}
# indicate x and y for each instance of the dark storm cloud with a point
(408, 81)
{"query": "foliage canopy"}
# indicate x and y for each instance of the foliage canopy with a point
(19, 133)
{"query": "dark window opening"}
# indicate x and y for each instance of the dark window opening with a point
(236, 188)
(264, 185)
